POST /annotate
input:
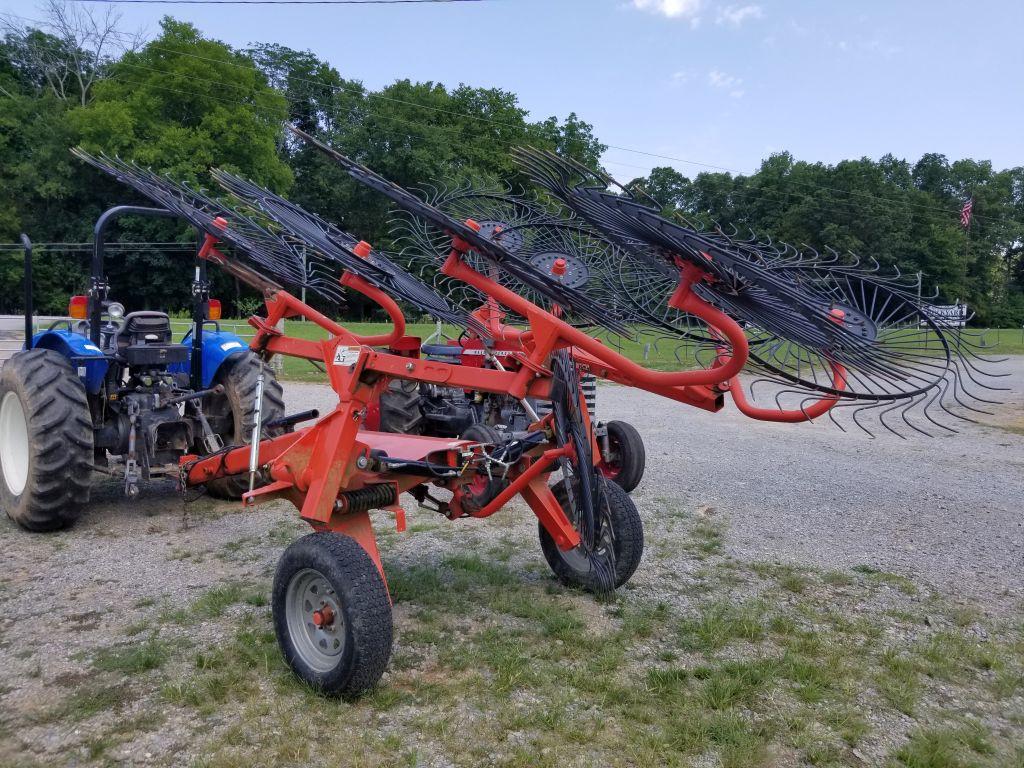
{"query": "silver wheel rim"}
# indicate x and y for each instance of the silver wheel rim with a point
(579, 558)
(14, 453)
(309, 601)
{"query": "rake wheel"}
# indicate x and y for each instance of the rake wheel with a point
(621, 542)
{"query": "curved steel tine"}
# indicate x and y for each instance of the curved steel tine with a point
(905, 412)
(884, 413)
(856, 420)
(939, 393)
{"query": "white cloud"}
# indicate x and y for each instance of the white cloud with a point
(719, 79)
(878, 46)
(671, 9)
(725, 82)
(682, 76)
(737, 14)
(866, 46)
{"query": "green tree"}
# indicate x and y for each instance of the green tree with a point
(905, 217)
(183, 104)
(180, 105)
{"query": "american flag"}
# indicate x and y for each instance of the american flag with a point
(965, 213)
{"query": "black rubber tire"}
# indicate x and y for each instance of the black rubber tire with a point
(401, 408)
(627, 528)
(366, 608)
(60, 440)
(238, 376)
(627, 444)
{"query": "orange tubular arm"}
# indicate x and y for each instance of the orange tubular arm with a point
(357, 283)
(818, 408)
(550, 332)
(281, 305)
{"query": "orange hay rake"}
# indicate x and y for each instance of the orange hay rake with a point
(330, 602)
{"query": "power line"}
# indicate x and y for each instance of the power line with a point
(277, 2)
(778, 194)
(370, 95)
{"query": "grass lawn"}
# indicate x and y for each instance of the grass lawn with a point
(743, 664)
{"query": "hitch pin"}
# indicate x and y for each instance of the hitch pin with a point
(257, 428)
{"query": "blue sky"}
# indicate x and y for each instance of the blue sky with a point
(721, 82)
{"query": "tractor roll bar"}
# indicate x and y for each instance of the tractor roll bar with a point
(98, 285)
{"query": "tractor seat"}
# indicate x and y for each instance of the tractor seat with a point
(442, 353)
(145, 339)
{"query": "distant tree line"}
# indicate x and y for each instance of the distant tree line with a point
(183, 103)
(905, 216)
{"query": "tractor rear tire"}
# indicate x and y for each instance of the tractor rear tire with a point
(629, 458)
(46, 441)
(628, 541)
(238, 375)
(401, 408)
(332, 614)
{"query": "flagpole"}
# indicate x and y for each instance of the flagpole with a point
(967, 248)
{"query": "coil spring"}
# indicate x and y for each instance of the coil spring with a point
(371, 497)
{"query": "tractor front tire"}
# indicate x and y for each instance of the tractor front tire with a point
(572, 568)
(234, 412)
(628, 458)
(332, 615)
(46, 441)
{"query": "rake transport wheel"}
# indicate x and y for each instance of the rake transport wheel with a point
(624, 465)
(624, 534)
(401, 409)
(332, 615)
(232, 413)
(46, 441)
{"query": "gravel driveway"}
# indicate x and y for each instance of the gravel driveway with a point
(944, 513)
(948, 510)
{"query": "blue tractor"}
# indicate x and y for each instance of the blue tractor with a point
(111, 391)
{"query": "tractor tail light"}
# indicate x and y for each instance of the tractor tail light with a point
(213, 309)
(78, 307)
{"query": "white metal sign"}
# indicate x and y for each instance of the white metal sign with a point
(948, 315)
(346, 355)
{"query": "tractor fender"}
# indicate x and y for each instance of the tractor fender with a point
(218, 346)
(85, 357)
